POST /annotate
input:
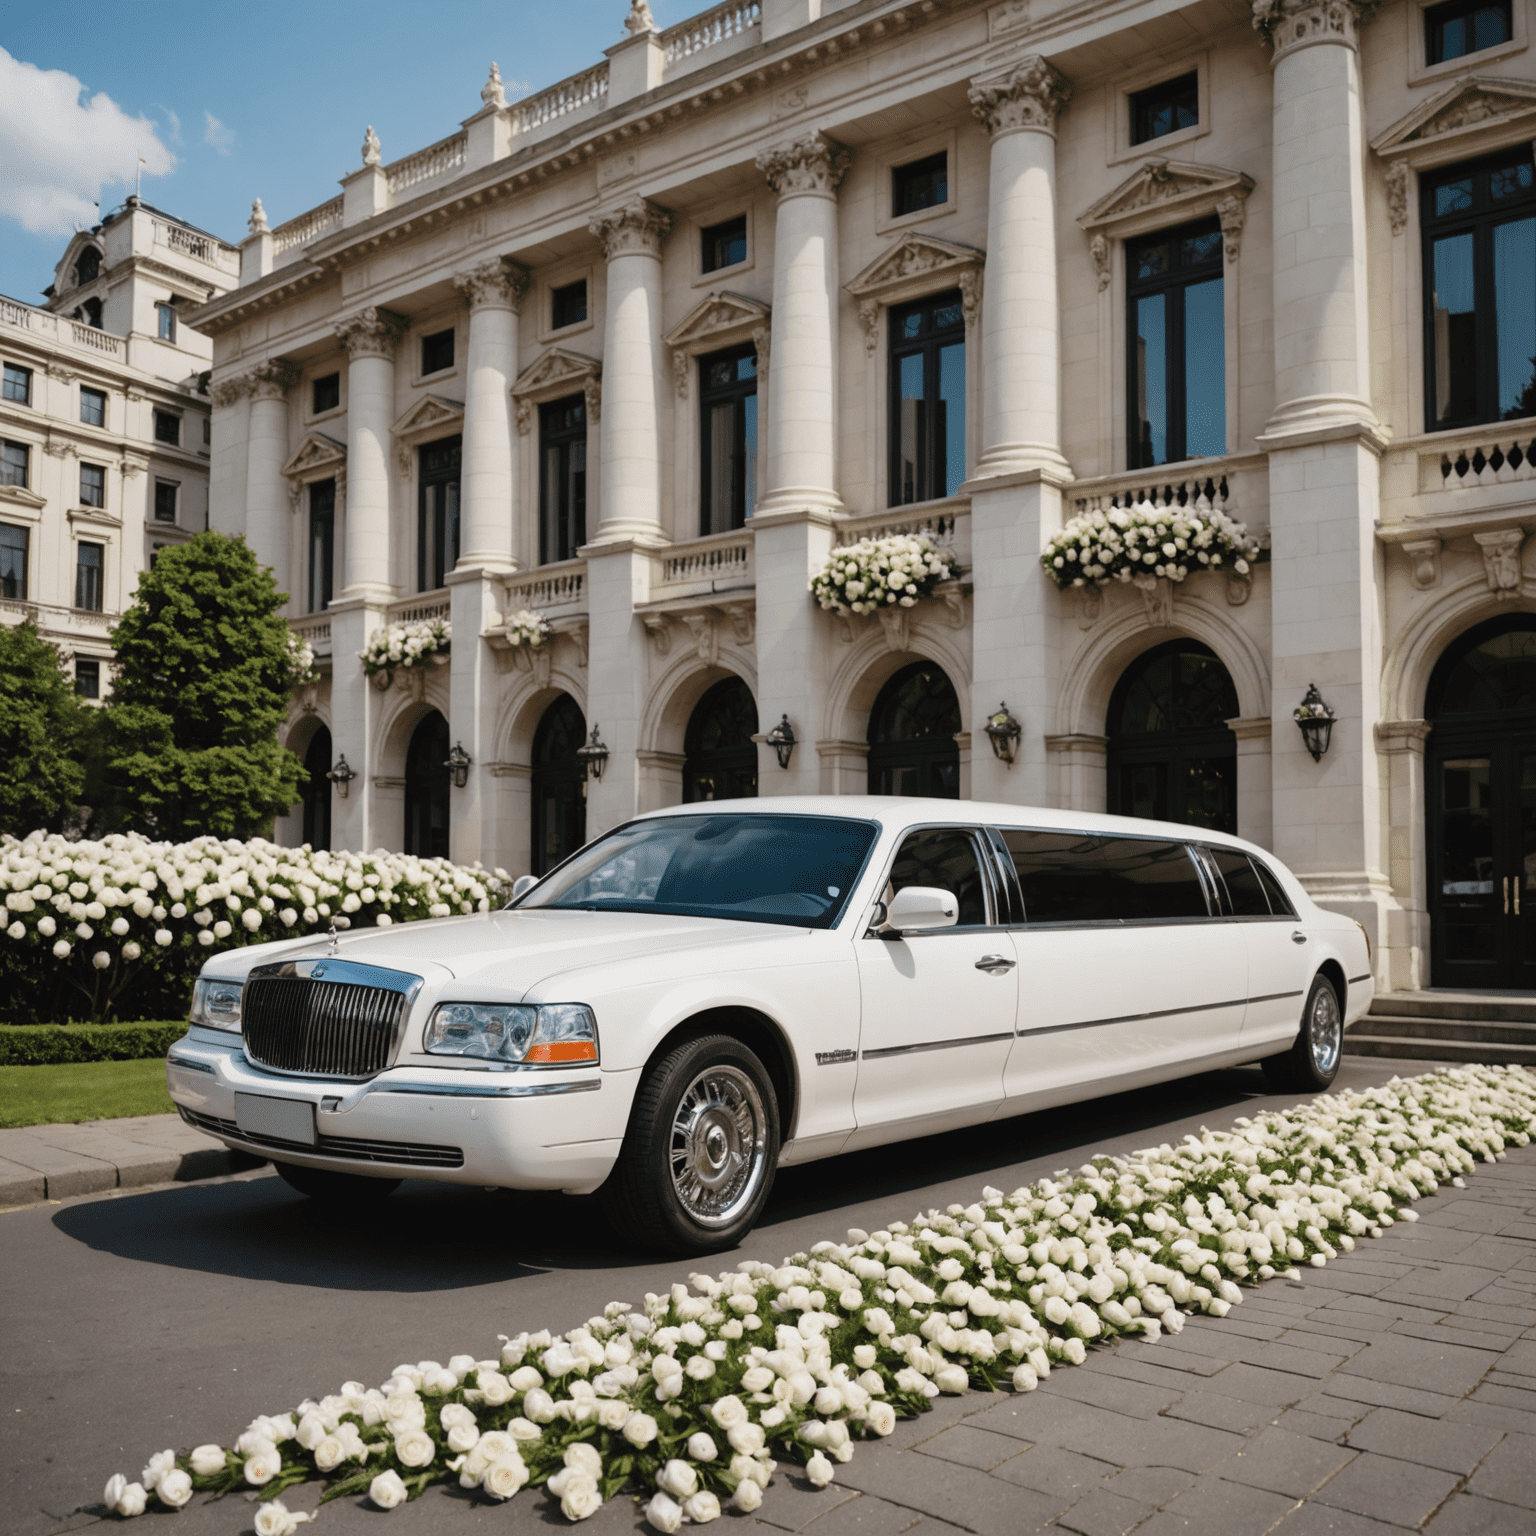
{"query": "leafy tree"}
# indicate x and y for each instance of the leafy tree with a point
(40, 730)
(187, 744)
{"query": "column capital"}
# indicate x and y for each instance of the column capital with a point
(371, 333)
(271, 380)
(227, 392)
(1287, 25)
(811, 164)
(635, 229)
(500, 283)
(1028, 95)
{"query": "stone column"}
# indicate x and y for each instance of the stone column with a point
(267, 516)
(1020, 327)
(803, 408)
(371, 337)
(494, 291)
(230, 434)
(630, 429)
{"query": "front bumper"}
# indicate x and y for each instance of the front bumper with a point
(528, 1129)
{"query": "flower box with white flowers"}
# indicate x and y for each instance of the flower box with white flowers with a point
(898, 571)
(402, 647)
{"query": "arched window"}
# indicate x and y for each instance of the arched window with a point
(559, 786)
(427, 789)
(1171, 754)
(912, 729)
(1480, 789)
(317, 792)
(721, 755)
(88, 265)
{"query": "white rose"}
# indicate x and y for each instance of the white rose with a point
(539, 1406)
(494, 1388)
(639, 1429)
(175, 1488)
(159, 1464)
(580, 1497)
(273, 1519)
(728, 1412)
(415, 1448)
(612, 1413)
(759, 1378)
(263, 1467)
(61, 949)
(702, 1508)
(701, 1447)
(678, 1479)
(463, 1437)
(881, 1418)
(386, 1490)
(524, 1430)
(663, 1514)
(128, 1499)
(700, 1367)
(747, 1497)
(746, 1438)
(819, 1470)
(584, 1457)
(505, 1476)
(951, 1378)
(329, 1453)
(207, 1459)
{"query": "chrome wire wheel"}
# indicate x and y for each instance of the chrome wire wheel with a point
(1325, 1031)
(717, 1152)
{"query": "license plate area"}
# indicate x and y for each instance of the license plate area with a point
(285, 1119)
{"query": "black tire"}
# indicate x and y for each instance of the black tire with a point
(700, 1152)
(1312, 1062)
(336, 1190)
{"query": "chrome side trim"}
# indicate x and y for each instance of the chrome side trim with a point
(1353, 980)
(1160, 1013)
(833, 1058)
(932, 1045)
(189, 1064)
(474, 1091)
(1275, 997)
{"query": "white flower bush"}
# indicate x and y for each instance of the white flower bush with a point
(107, 908)
(878, 573)
(393, 646)
(690, 1399)
(1148, 541)
(301, 660)
(527, 627)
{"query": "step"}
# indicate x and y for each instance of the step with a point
(1417, 1048)
(1444, 1003)
(1443, 1029)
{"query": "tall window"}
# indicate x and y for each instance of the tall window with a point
(166, 319)
(728, 430)
(87, 677)
(93, 406)
(562, 478)
(437, 352)
(721, 755)
(18, 384)
(14, 463)
(167, 427)
(1466, 26)
(13, 560)
(1177, 329)
(165, 501)
(921, 184)
(1165, 108)
(93, 485)
(325, 394)
(427, 789)
(88, 573)
(322, 543)
(568, 305)
(1480, 289)
(559, 786)
(88, 265)
(317, 790)
(912, 729)
(725, 245)
(927, 394)
(437, 527)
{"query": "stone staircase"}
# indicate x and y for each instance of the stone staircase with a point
(1496, 1028)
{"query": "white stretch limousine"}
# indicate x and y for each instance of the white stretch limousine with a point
(710, 991)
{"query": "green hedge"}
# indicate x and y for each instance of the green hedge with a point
(46, 1045)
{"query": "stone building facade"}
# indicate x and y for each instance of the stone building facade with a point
(638, 352)
(105, 426)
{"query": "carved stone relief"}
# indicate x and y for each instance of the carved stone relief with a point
(1028, 96)
(809, 164)
(1501, 560)
(1424, 562)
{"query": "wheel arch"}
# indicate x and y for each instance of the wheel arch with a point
(755, 1030)
(1334, 972)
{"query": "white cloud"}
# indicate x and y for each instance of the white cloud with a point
(175, 123)
(217, 134)
(62, 151)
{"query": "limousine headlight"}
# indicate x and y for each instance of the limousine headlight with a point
(551, 1034)
(216, 1004)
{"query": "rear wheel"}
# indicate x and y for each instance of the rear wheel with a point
(1312, 1062)
(698, 1159)
(327, 1187)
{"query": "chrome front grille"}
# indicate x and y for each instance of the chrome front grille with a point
(325, 1018)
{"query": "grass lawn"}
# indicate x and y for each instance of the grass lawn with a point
(82, 1090)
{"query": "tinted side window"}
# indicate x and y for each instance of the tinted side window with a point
(1146, 879)
(1058, 876)
(1279, 902)
(1245, 894)
(945, 858)
(1068, 877)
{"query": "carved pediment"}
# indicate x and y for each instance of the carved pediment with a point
(717, 315)
(557, 373)
(317, 457)
(1162, 191)
(22, 497)
(914, 262)
(431, 416)
(1471, 103)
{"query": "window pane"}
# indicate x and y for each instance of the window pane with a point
(13, 464)
(1205, 370)
(1165, 108)
(327, 393)
(88, 577)
(1151, 380)
(1455, 330)
(1243, 889)
(1056, 876)
(1143, 880)
(568, 305)
(576, 498)
(450, 529)
(93, 485)
(165, 502)
(93, 409)
(18, 384)
(13, 561)
(722, 423)
(952, 417)
(749, 465)
(911, 420)
(1514, 307)
(87, 678)
(947, 860)
(1279, 902)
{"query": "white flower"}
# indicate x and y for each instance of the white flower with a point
(415, 1448)
(128, 1499)
(579, 1496)
(639, 1429)
(262, 1467)
(61, 949)
(703, 1507)
(174, 1489)
(207, 1459)
(747, 1497)
(701, 1447)
(664, 1514)
(159, 1464)
(386, 1490)
(274, 1518)
(505, 1476)
(678, 1479)
(881, 1418)
(819, 1470)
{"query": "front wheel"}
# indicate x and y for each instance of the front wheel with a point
(698, 1159)
(335, 1190)
(1312, 1062)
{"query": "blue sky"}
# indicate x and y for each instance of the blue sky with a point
(232, 102)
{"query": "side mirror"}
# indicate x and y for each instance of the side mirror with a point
(523, 884)
(919, 908)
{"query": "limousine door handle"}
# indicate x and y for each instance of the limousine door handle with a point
(1298, 938)
(995, 963)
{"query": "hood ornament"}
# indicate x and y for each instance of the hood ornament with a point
(335, 948)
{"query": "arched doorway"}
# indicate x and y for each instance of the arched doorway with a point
(317, 792)
(559, 785)
(1172, 756)
(721, 755)
(1480, 789)
(912, 730)
(427, 789)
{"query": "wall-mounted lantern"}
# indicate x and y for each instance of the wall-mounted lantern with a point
(458, 765)
(782, 739)
(1004, 732)
(592, 755)
(342, 775)
(1316, 721)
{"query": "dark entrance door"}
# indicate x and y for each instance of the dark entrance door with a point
(559, 785)
(317, 792)
(1172, 756)
(1481, 800)
(427, 789)
(721, 755)
(912, 729)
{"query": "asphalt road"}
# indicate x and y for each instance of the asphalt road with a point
(173, 1316)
